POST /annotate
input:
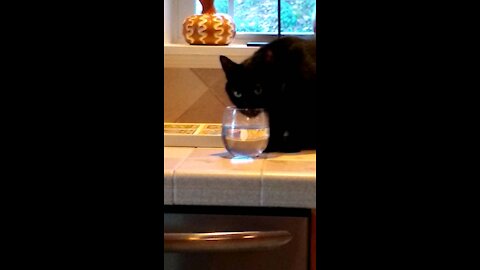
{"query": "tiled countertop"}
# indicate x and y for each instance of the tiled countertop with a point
(209, 176)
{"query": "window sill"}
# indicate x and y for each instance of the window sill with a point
(203, 56)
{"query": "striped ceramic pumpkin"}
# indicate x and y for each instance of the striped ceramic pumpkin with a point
(209, 28)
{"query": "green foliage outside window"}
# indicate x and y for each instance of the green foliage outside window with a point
(261, 16)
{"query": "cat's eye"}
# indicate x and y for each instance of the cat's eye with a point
(258, 90)
(237, 94)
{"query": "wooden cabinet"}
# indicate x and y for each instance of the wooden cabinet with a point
(313, 240)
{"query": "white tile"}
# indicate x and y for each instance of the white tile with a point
(289, 183)
(168, 187)
(173, 157)
(211, 177)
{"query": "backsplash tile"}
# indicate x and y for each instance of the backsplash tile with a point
(206, 109)
(182, 88)
(194, 95)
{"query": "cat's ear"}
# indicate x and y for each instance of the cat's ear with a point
(227, 64)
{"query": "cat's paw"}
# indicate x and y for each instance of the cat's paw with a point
(283, 148)
(270, 149)
(290, 149)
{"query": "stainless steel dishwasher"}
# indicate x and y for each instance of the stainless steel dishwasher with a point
(235, 238)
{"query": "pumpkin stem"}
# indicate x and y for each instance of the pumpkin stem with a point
(208, 6)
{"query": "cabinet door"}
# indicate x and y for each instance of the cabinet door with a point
(313, 240)
(293, 255)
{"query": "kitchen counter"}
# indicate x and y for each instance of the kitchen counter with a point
(209, 176)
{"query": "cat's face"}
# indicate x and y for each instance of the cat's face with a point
(248, 86)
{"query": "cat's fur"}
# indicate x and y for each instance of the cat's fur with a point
(280, 77)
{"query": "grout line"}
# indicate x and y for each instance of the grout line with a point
(195, 72)
(210, 88)
(189, 108)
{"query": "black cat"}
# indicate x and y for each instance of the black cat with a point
(280, 77)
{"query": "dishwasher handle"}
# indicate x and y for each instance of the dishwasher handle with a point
(225, 241)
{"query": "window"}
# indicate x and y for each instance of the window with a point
(255, 19)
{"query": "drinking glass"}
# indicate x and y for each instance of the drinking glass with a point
(245, 132)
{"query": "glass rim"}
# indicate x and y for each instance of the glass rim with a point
(243, 109)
